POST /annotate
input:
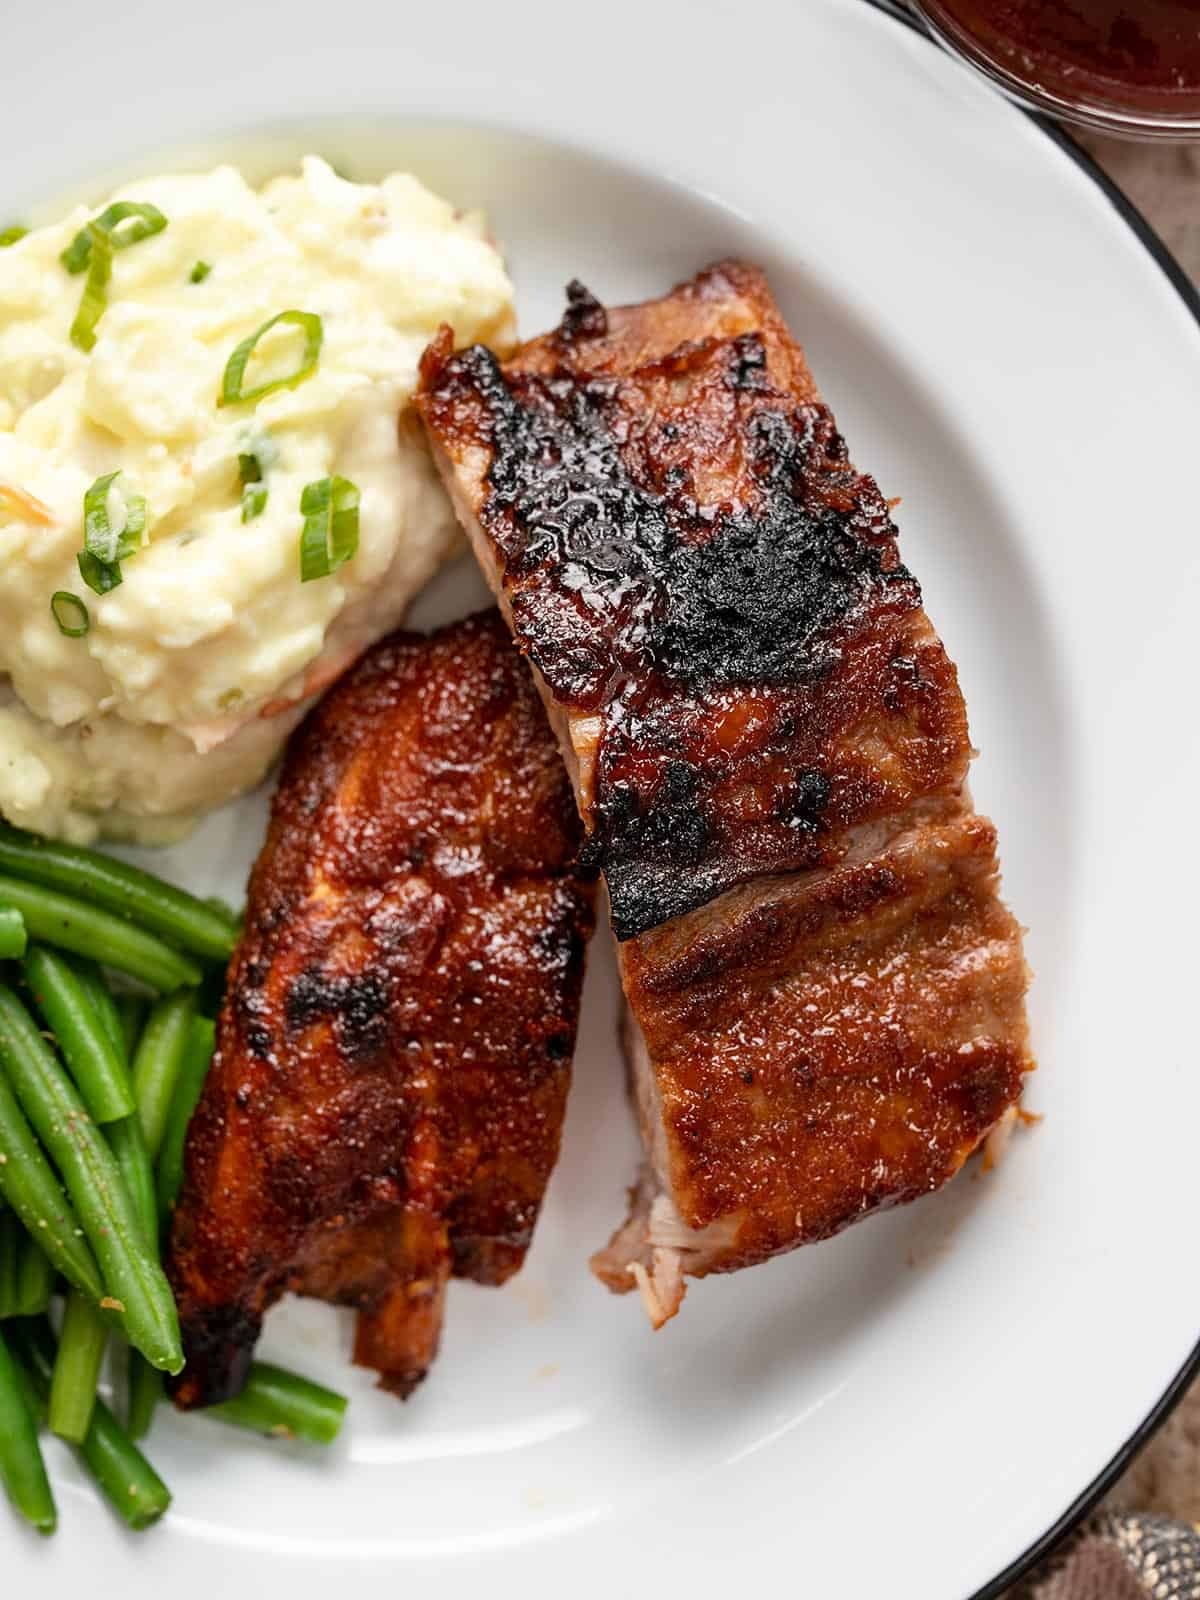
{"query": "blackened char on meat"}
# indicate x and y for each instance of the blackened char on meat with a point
(689, 557)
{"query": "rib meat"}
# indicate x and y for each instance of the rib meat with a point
(769, 749)
(393, 1056)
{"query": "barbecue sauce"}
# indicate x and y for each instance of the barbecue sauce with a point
(1135, 55)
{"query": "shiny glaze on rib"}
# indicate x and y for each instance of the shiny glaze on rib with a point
(687, 552)
(837, 1043)
(394, 1053)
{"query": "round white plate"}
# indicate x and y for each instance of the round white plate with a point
(908, 1409)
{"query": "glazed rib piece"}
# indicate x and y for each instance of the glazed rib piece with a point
(393, 1057)
(769, 750)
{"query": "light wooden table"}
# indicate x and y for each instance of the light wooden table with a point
(1163, 181)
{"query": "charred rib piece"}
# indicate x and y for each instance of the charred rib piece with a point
(386, 1103)
(770, 752)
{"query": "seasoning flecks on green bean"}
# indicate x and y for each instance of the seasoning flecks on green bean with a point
(72, 924)
(180, 918)
(86, 1046)
(104, 1002)
(29, 1184)
(133, 1488)
(283, 1405)
(132, 1275)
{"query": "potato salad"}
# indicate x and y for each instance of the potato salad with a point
(212, 496)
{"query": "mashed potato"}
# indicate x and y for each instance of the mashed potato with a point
(193, 671)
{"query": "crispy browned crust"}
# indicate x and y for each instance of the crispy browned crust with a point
(770, 750)
(835, 1043)
(689, 557)
(394, 1053)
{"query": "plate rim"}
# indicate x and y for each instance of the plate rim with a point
(1189, 292)
(1079, 1506)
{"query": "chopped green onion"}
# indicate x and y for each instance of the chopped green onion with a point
(99, 578)
(146, 220)
(95, 290)
(254, 501)
(232, 392)
(106, 546)
(69, 611)
(329, 537)
(254, 490)
(199, 272)
(11, 235)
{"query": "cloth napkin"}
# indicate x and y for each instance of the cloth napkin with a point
(1121, 1557)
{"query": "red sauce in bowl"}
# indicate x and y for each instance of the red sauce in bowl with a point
(1129, 58)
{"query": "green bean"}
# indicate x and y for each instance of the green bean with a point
(197, 1059)
(28, 1183)
(178, 917)
(21, 1466)
(134, 1489)
(122, 1023)
(128, 1145)
(103, 1003)
(145, 1391)
(11, 1235)
(126, 1139)
(71, 924)
(12, 933)
(157, 1062)
(131, 1010)
(35, 1280)
(145, 1384)
(132, 1275)
(69, 1013)
(284, 1406)
(77, 1369)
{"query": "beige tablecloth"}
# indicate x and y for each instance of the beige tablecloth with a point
(1164, 183)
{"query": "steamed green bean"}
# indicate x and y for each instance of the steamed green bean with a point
(133, 1488)
(72, 924)
(176, 916)
(77, 1368)
(69, 1012)
(28, 1183)
(12, 934)
(22, 1470)
(156, 1065)
(133, 1275)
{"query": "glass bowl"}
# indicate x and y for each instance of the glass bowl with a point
(1037, 73)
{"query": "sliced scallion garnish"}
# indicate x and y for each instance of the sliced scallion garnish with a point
(144, 221)
(250, 469)
(106, 543)
(232, 391)
(12, 235)
(95, 292)
(199, 272)
(69, 611)
(254, 501)
(329, 537)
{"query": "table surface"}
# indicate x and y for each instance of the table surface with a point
(1163, 181)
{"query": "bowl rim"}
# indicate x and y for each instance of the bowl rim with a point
(1094, 114)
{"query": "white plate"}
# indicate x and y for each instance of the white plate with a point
(907, 1409)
